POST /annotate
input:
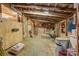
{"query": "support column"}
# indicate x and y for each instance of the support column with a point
(77, 26)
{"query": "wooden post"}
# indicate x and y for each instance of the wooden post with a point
(77, 29)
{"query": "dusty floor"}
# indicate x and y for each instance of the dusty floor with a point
(38, 46)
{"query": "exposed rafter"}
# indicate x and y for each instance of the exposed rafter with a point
(52, 11)
(55, 12)
(68, 10)
(47, 18)
(58, 13)
(43, 16)
(50, 6)
(42, 20)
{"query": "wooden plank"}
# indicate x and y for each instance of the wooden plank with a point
(44, 6)
(46, 16)
(45, 19)
(42, 9)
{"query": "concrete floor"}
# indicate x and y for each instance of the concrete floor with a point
(38, 46)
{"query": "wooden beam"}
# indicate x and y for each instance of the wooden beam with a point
(45, 16)
(44, 6)
(51, 9)
(52, 12)
(54, 17)
(33, 9)
(51, 21)
(59, 14)
(52, 6)
(42, 20)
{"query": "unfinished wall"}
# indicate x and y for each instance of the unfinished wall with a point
(58, 28)
(10, 38)
(8, 12)
(30, 26)
(63, 28)
(7, 24)
(25, 27)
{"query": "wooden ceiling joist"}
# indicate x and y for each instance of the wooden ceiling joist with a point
(64, 14)
(45, 6)
(59, 13)
(51, 21)
(56, 11)
(47, 18)
(40, 9)
(36, 15)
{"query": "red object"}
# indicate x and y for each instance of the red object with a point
(62, 53)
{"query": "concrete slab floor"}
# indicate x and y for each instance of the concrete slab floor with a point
(38, 46)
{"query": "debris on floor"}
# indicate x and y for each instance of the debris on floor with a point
(16, 49)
